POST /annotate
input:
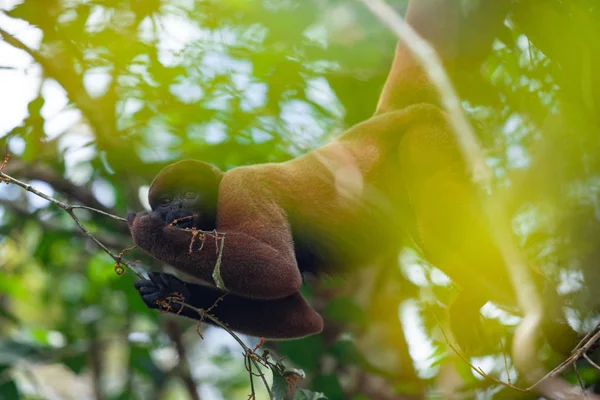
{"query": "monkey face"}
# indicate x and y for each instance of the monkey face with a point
(185, 189)
(185, 208)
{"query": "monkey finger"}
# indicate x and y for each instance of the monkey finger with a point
(140, 283)
(148, 290)
(167, 280)
(155, 277)
(152, 298)
(177, 285)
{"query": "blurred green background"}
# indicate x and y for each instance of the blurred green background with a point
(97, 96)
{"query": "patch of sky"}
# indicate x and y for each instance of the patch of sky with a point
(10, 4)
(139, 69)
(67, 15)
(62, 122)
(319, 92)
(517, 157)
(16, 145)
(212, 132)
(218, 63)
(420, 346)
(20, 84)
(77, 151)
(260, 136)
(160, 143)
(215, 132)
(492, 311)
(146, 32)
(186, 90)
(104, 192)
(254, 96)
(99, 19)
(515, 130)
(317, 33)
(157, 134)
(143, 196)
(55, 100)
(129, 106)
(419, 271)
(10, 192)
(35, 202)
(570, 281)
(299, 120)
(96, 81)
(175, 33)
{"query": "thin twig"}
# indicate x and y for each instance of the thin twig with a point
(118, 259)
(505, 362)
(74, 206)
(593, 364)
(579, 380)
(246, 349)
(69, 210)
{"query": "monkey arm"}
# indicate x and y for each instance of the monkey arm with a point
(257, 261)
(461, 36)
(287, 318)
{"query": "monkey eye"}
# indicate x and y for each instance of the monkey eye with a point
(165, 200)
(189, 195)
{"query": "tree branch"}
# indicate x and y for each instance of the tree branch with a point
(80, 194)
(69, 210)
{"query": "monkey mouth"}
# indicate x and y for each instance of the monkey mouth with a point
(183, 220)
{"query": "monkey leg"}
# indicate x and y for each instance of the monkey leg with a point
(287, 318)
(457, 240)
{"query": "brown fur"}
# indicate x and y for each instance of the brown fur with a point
(338, 207)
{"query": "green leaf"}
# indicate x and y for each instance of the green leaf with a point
(305, 352)
(329, 384)
(76, 363)
(280, 388)
(216, 275)
(9, 391)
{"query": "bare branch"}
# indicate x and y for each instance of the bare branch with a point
(40, 172)
(69, 209)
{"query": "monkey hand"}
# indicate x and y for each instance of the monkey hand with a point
(145, 220)
(163, 291)
(148, 231)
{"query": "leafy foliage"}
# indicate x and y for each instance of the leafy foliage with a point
(114, 90)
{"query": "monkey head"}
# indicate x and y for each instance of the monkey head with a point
(184, 189)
